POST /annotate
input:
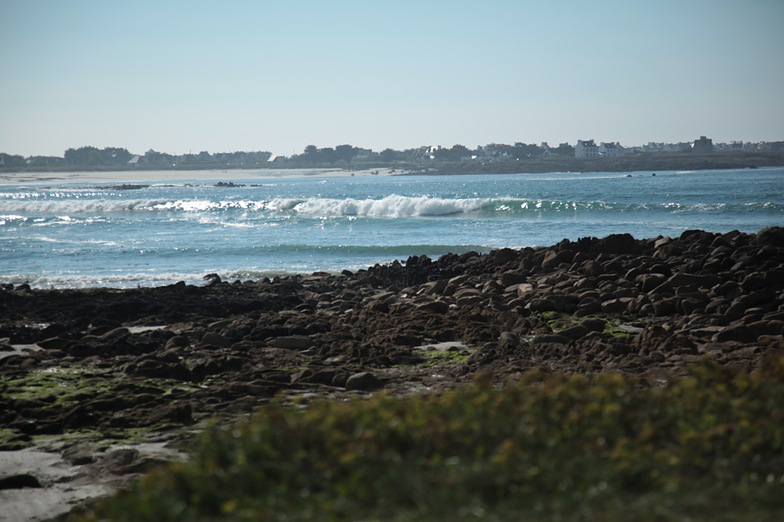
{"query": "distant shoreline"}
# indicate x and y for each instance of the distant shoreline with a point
(717, 160)
(142, 175)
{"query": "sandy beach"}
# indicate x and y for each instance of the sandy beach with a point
(148, 176)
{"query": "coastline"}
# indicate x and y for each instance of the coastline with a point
(138, 372)
(717, 160)
(144, 176)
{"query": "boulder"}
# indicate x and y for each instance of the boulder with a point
(648, 282)
(20, 481)
(363, 381)
(577, 331)
(550, 339)
(293, 342)
(512, 278)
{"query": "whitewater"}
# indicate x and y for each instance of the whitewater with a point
(124, 233)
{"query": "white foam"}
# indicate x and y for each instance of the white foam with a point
(389, 207)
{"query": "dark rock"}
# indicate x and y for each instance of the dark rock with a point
(550, 339)
(735, 332)
(759, 280)
(717, 306)
(214, 339)
(648, 282)
(80, 454)
(588, 306)
(594, 324)
(339, 379)
(178, 413)
(508, 341)
(592, 268)
(19, 482)
(665, 307)
(689, 306)
(436, 307)
(78, 417)
(119, 460)
(770, 236)
(577, 332)
(504, 255)
(766, 327)
(54, 343)
(162, 370)
(314, 376)
(363, 381)
(619, 244)
(616, 306)
(294, 342)
(694, 281)
(663, 290)
(512, 278)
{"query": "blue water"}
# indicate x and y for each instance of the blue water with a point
(92, 234)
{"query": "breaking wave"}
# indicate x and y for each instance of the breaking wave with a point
(393, 206)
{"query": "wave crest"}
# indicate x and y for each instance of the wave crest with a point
(389, 207)
(394, 206)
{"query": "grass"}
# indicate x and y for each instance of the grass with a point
(435, 358)
(707, 446)
(559, 321)
(59, 389)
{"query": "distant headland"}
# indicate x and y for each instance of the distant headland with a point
(584, 156)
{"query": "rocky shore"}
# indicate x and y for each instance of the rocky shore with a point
(100, 378)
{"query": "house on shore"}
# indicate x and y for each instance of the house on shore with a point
(611, 150)
(704, 144)
(547, 151)
(586, 149)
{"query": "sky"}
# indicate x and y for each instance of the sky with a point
(278, 76)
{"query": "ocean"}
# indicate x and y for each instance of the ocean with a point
(119, 233)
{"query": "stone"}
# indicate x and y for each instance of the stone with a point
(550, 339)
(363, 381)
(735, 332)
(592, 268)
(594, 324)
(293, 342)
(512, 278)
(695, 281)
(616, 306)
(504, 255)
(21, 481)
(542, 305)
(437, 307)
(689, 306)
(508, 340)
(648, 282)
(619, 244)
(576, 332)
(766, 328)
(664, 307)
(214, 339)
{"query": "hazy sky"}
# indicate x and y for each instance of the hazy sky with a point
(280, 75)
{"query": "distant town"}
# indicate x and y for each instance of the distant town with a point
(584, 155)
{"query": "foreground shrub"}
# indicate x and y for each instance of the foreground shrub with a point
(708, 445)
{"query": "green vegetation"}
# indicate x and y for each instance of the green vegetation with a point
(704, 447)
(58, 390)
(493, 158)
(66, 387)
(435, 358)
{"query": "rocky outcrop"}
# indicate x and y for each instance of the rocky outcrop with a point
(174, 355)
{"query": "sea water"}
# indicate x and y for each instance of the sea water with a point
(78, 234)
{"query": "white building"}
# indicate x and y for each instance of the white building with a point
(611, 150)
(586, 149)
